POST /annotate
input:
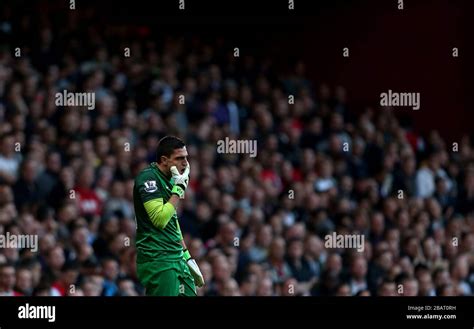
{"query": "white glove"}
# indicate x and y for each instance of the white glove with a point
(196, 273)
(180, 181)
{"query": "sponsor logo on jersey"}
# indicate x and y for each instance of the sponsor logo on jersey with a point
(150, 186)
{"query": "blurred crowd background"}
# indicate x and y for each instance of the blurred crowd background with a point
(256, 226)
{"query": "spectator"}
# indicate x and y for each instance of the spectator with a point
(9, 161)
(50, 176)
(277, 265)
(459, 272)
(358, 281)
(256, 225)
(387, 288)
(88, 202)
(66, 284)
(8, 280)
(26, 189)
(126, 287)
(299, 267)
(409, 285)
(110, 270)
(24, 281)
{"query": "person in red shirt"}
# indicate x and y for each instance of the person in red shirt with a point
(88, 201)
(65, 285)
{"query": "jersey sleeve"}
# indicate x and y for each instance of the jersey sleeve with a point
(148, 187)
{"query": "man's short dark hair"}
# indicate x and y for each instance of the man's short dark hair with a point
(70, 266)
(167, 145)
(7, 264)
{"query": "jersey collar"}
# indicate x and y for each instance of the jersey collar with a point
(154, 165)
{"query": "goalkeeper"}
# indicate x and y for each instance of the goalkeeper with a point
(164, 265)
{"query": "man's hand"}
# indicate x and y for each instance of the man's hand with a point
(196, 272)
(194, 269)
(180, 181)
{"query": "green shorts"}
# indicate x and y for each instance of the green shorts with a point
(166, 278)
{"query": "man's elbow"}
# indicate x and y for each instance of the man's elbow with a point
(161, 225)
(160, 222)
(159, 214)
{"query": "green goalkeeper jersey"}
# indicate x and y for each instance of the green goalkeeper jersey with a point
(154, 243)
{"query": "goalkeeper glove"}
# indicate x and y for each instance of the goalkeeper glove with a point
(194, 269)
(180, 181)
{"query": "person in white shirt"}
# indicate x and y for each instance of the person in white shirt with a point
(9, 161)
(425, 176)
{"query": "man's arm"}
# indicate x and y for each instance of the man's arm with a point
(159, 213)
(193, 266)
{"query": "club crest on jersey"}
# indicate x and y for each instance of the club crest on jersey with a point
(150, 186)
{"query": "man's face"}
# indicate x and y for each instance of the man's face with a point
(388, 289)
(6, 146)
(7, 278)
(426, 284)
(24, 280)
(178, 158)
(411, 288)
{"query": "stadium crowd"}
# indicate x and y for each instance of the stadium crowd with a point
(256, 226)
